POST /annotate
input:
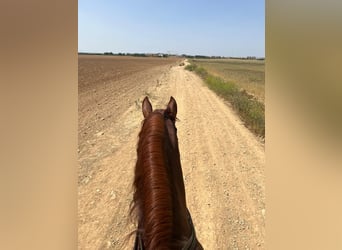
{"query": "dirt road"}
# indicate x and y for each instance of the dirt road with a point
(223, 163)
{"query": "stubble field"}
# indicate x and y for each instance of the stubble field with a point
(247, 74)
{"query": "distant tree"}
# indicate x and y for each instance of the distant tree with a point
(201, 57)
(139, 54)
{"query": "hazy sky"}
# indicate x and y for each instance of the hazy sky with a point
(213, 28)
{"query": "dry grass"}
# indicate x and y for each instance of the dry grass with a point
(246, 74)
(248, 107)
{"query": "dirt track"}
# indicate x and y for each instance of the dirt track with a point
(223, 163)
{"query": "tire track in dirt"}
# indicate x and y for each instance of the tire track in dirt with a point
(223, 167)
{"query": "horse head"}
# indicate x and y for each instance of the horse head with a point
(164, 221)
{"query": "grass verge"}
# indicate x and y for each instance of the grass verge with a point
(250, 110)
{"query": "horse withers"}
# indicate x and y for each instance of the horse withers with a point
(159, 202)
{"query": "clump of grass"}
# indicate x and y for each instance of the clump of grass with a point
(251, 111)
(190, 67)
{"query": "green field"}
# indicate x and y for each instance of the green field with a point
(241, 83)
(246, 74)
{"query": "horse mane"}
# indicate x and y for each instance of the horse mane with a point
(152, 198)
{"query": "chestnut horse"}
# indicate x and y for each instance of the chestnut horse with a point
(159, 202)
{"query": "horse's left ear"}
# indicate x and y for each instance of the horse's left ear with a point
(146, 107)
(172, 108)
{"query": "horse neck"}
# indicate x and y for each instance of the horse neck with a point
(179, 197)
(159, 188)
(180, 222)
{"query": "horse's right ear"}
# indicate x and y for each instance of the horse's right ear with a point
(146, 107)
(172, 108)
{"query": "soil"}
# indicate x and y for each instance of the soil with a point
(223, 162)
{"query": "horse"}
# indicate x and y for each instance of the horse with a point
(159, 202)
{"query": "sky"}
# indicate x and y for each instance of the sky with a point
(212, 28)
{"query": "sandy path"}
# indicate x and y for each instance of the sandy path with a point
(223, 166)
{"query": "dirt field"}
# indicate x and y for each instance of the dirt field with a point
(223, 163)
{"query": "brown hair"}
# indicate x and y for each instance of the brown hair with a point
(152, 199)
(159, 202)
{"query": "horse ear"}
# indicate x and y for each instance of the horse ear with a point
(172, 108)
(146, 107)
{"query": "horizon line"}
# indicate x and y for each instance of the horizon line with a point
(169, 54)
